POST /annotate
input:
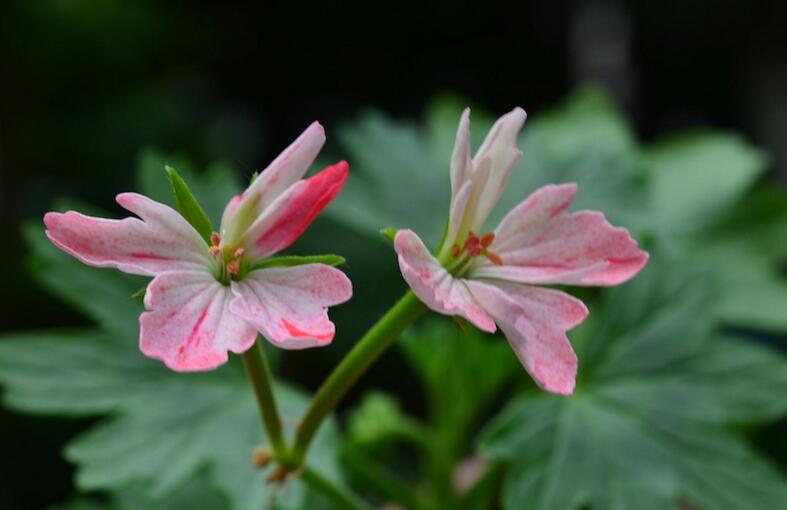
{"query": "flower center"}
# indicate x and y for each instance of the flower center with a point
(229, 259)
(466, 253)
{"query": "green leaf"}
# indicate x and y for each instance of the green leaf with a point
(455, 362)
(396, 179)
(165, 427)
(646, 427)
(746, 249)
(297, 260)
(380, 417)
(187, 205)
(389, 233)
(697, 177)
(196, 494)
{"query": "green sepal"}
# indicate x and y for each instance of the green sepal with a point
(140, 294)
(389, 233)
(187, 205)
(296, 260)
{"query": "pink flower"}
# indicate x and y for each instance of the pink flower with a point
(491, 279)
(207, 299)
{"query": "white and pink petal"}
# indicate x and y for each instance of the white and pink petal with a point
(535, 321)
(433, 285)
(189, 325)
(461, 160)
(289, 167)
(162, 240)
(289, 305)
(293, 211)
(499, 151)
(540, 243)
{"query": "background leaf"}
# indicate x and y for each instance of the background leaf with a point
(646, 427)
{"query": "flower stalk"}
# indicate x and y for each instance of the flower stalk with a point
(366, 351)
(261, 379)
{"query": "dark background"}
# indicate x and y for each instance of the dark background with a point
(85, 84)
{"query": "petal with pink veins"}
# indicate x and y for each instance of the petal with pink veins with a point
(500, 151)
(293, 211)
(161, 241)
(289, 305)
(539, 242)
(535, 321)
(188, 324)
(433, 285)
(283, 172)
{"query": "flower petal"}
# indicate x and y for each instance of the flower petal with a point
(540, 243)
(189, 326)
(161, 241)
(293, 211)
(461, 160)
(500, 152)
(289, 305)
(283, 172)
(433, 285)
(455, 217)
(535, 321)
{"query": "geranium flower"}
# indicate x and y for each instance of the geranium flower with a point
(208, 298)
(491, 278)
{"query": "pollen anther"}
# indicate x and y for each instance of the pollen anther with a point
(215, 239)
(494, 258)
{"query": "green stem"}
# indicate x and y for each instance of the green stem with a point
(340, 496)
(262, 381)
(365, 352)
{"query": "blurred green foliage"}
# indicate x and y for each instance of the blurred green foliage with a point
(671, 386)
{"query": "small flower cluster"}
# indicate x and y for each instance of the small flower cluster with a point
(213, 293)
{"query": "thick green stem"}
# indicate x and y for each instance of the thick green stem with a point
(365, 352)
(340, 496)
(262, 381)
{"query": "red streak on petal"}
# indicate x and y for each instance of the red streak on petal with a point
(298, 333)
(148, 256)
(301, 211)
(193, 340)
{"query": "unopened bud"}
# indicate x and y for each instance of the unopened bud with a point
(261, 457)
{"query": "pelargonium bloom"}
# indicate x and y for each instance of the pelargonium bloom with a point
(493, 279)
(208, 298)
